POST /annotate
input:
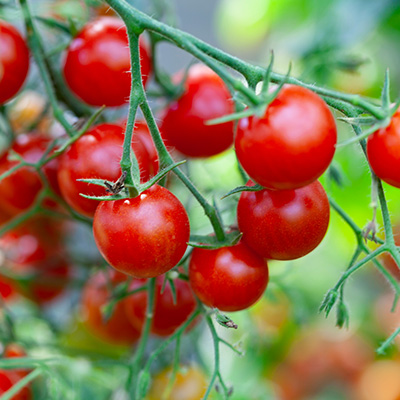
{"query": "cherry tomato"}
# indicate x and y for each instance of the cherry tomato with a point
(230, 278)
(97, 155)
(9, 377)
(284, 224)
(34, 252)
(19, 190)
(95, 295)
(14, 61)
(7, 289)
(190, 384)
(97, 63)
(383, 149)
(145, 236)
(292, 144)
(205, 97)
(168, 316)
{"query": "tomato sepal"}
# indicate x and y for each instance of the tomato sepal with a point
(240, 189)
(211, 242)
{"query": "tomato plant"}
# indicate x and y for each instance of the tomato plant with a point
(97, 154)
(96, 293)
(144, 236)
(204, 97)
(97, 63)
(383, 151)
(284, 224)
(169, 314)
(230, 278)
(292, 144)
(14, 61)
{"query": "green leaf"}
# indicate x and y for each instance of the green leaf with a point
(225, 321)
(240, 189)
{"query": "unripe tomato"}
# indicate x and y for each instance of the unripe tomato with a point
(19, 190)
(190, 384)
(230, 278)
(97, 63)
(167, 316)
(205, 97)
(284, 224)
(96, 293)
(14, 61)
(145, 236)
(383, 149)
(292, 144)
(97, 155)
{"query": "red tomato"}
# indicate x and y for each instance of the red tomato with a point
(19, 190)
(383, 149)
(167, 316)
(205, 97)
(7, 290)
(230, 278)
(34, 251)
(292, 144)
(145, 236)
(97, 155)
(14, 61)
(97, 63)
(284, 224)
(10, 377)
(95, 295)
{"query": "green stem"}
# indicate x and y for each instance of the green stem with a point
(383, 347)
(33, 38)
(10, 393)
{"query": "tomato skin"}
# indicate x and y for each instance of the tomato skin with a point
(284, 224)
(14, 61)
(383, 150)
(205, 97)
(19, 190)
(167, 316)
(97, 154)
(97, 63)
(190, 384)
(95, 295)
(230, 278)
(145, 236)
(292, 144)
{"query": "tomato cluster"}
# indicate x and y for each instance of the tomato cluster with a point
(282, 212)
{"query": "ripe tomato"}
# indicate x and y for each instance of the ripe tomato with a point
(14, 61)
(7, 289)
(9, 377)
(230, 278)
(205, 97)
(95, 295)
(292, 144)
(284, 224)
(19, 190)
(167, 316)
(383, 149)
(33, 251)
(145, 236)
(97, 155)
(190, 384)
(97, 63)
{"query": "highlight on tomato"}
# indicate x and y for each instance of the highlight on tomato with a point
(229, 278)
(205, 97)
(144, 236)
(284, 224)
(292, 144)
(97, 63)
(168, 314)
(14, 61)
